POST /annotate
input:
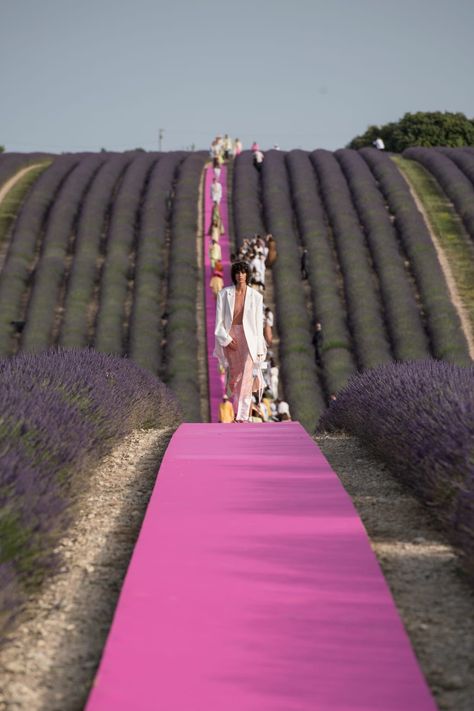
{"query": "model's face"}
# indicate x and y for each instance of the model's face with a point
(241, 278)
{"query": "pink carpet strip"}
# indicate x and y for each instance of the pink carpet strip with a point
(253, 587)
(216, 381)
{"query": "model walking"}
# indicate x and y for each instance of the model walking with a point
(240, 344)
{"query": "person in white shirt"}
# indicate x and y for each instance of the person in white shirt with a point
(379, 144)
(228, 147)
(216, 191)
(283, 411)
(274, 372)
(258, 159)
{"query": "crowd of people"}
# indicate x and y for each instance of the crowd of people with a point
(259, 253)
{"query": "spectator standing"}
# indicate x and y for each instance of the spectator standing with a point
(304, 264)
(274, 371)
(258, 159)
(318, 342)
(283, 411)
(379, 144)
(268, 326)
(237, 147)
(228, 147)
(272, 251)
(226, 411)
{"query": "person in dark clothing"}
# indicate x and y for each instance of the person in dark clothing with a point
(318, 343)
(304, 264)
(18, 326)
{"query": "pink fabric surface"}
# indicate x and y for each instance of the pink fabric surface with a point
(215, 383)
(253, 587)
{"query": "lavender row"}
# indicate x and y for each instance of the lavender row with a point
(298, 367)
(61, 411)
(360, 284)
(151, 265)
(24, 240)
(49, 271)
(109, 335)
(402, 314)
(455, 184)
(181, 362)
(419, 419)
(95, 210)
(463, 158)
(443, 324)
(247, 209)
(338, 363)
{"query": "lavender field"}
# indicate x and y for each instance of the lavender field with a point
(102, 262)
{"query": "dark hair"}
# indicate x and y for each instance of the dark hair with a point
(239, 267)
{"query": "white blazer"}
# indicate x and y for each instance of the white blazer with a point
(252, 322)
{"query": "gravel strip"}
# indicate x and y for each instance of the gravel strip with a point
(422, 569)
(50, 661)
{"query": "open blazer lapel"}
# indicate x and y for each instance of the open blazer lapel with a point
(231, 303)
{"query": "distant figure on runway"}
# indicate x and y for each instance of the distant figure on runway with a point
(217, 279)
(240, 345)
(215, 253)
(216, 191)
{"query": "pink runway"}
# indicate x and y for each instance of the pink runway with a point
(253, 587)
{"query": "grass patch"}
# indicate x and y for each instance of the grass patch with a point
(448, 228)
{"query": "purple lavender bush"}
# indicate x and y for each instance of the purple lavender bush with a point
(61, 411)
(418, 418)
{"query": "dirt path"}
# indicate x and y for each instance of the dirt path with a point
(6, 187)
(422, 569)
(448, 275)
(50, 661)
(4, 190)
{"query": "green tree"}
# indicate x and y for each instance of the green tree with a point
(2, 149)
(424, 128)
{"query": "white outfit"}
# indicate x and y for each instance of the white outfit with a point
(252, 322)
(216, 192)
(258, 156)
(283, 408)
(379, 144)
(274, 380)
(269, 319)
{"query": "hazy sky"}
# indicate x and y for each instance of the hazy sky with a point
(84, 74)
